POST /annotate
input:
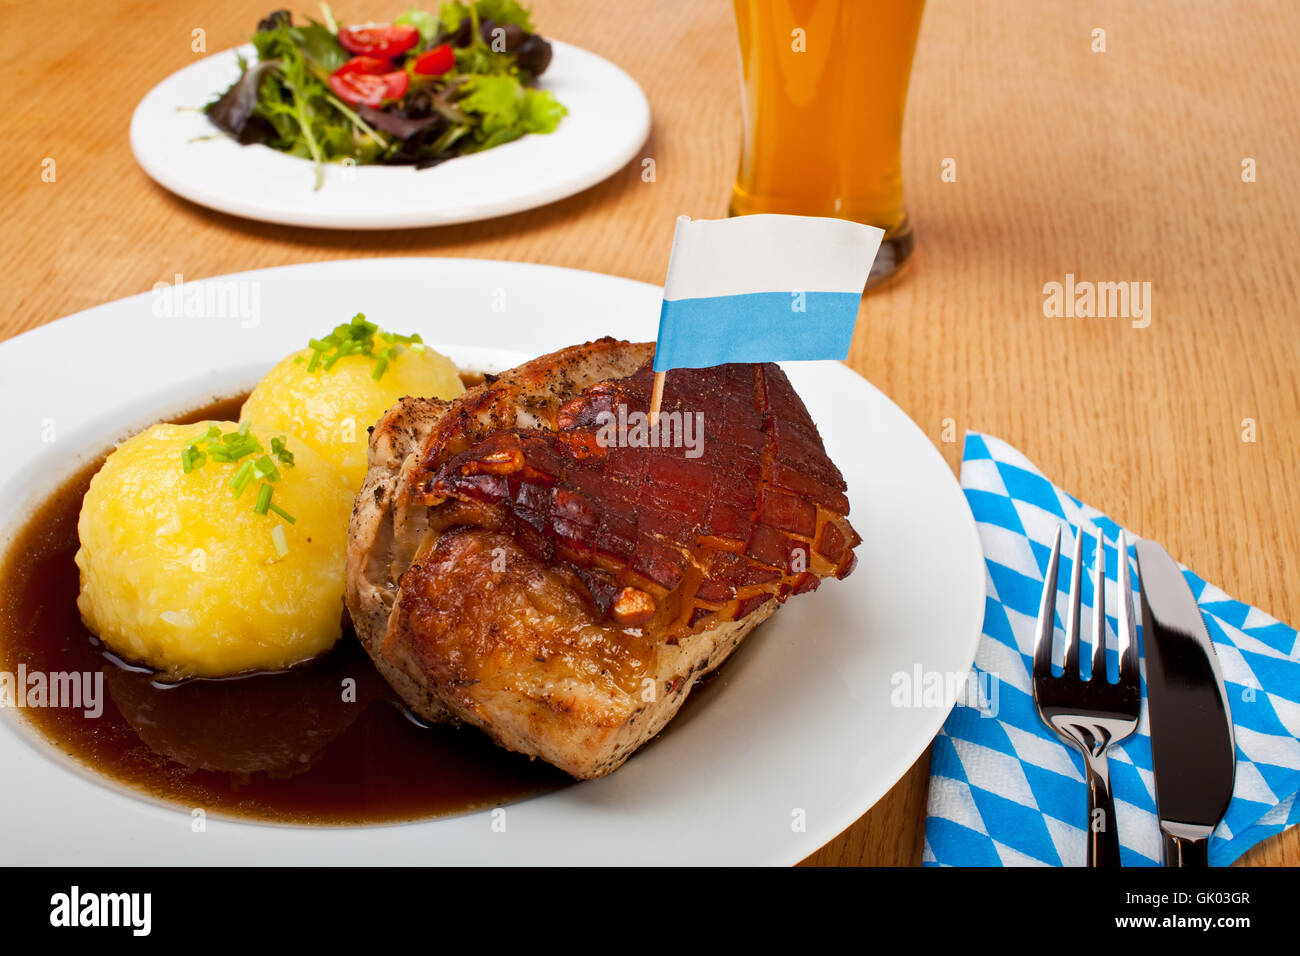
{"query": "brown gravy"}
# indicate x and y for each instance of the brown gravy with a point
(280, 747)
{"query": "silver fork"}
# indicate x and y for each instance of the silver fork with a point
(1092, 714)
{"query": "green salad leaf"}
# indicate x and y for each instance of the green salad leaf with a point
(428, 25)
(320, 48)
(508, 109)
(293, 98)
(502, 12)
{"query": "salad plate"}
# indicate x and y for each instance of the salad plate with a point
(175, 143)
(800, 733)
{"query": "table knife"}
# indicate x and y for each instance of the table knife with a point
(1193, 754)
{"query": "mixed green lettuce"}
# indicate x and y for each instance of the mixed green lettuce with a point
(294, 96)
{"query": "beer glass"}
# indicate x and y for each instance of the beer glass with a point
(824, 84)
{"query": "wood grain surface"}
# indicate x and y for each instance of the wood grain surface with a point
(1123, 165)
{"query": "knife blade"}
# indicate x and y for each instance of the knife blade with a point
(1193, 753)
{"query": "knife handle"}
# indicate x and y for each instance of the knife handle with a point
(1191, 852)
(1103, 838)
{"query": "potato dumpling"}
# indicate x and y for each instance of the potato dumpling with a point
(331, 409)
(180, 574)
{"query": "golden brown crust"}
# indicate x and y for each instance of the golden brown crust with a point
(507, 644)
(528, 396)
(388, 527)
(468, 625)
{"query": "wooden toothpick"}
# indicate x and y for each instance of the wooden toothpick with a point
(656, 398)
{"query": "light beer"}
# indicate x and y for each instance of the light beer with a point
(825, 83)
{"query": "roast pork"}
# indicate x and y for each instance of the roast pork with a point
(539, 560)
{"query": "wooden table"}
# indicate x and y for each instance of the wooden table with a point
(1123, 165)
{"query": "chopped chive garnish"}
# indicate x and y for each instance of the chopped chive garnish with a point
(284, 514)
(281, 453)
(192, 457)
(242, 477)
(236, 447)
(357, 337)
(279, 541)
(265, 469)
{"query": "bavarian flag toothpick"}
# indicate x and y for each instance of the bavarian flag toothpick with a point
(763, 288)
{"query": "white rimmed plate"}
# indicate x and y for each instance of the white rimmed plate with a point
(799, 726)
(609, 119)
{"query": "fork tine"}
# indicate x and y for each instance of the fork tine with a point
(1127, 631)
(1047, 616)
(1071, 666)
(1099, 610)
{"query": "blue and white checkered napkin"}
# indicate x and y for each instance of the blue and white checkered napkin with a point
(1004, 790)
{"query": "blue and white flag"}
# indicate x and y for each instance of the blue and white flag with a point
(762, 288)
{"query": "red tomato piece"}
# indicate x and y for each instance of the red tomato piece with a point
(385, 40)
(435, 62)
(365, 64)
(369, 80)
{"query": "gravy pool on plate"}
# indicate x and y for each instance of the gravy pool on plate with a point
(284, 747)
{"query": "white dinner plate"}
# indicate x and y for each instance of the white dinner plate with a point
(798, 735)
(608, 120)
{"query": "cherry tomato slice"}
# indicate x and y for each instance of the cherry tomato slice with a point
(397, 82)
(385, 40)
(369, 80)
(435, 62)
(365, 64)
